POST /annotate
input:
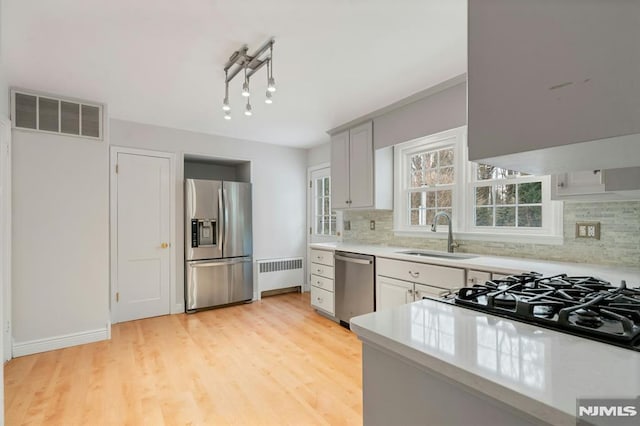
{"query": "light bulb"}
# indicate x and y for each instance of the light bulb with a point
(225, 104)
(247, 110)
(271, 84)
(227, 115)
(269, 98)
(245, 89)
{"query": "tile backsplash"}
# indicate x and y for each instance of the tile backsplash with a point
(619, 242)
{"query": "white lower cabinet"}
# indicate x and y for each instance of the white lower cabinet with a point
(391, 292)
(322, 299)
(477, 277)
(322, 281)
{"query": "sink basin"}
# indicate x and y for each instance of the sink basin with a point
(438, 255)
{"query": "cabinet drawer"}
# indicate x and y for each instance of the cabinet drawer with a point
(322, 257)
(322, 299)
(322, 270)
(322, 282)
(422, 273)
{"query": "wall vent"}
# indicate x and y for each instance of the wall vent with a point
(54, 114)
(279, 265)
(275, 274)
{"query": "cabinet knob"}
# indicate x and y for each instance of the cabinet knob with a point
(319, 300)
(319, 283)
(319, 270)
(414, 274)
(472, 280)
(410, 291)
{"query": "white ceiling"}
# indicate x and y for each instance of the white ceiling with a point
(161, 61)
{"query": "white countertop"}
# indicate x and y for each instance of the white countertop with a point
(502, 265)
(538, 371)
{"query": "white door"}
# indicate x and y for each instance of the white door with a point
(143, 190)
(391, 292)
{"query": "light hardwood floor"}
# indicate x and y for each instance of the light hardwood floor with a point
(272, 362)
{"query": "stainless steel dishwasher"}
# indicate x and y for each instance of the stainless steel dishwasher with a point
(354, 285)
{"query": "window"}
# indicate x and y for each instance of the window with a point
(432, 183)
(484, 202)
(428, 180)
(506, 198)
(322, 218)
(325, 219)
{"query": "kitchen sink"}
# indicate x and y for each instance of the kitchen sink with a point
(437, 255)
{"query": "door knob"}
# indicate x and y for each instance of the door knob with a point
(164, 245)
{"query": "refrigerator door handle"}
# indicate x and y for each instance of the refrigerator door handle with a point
(221, 215)
(207, 264)
(225, 218)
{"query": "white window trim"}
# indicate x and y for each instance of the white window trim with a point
(551, 233)
(449, 138)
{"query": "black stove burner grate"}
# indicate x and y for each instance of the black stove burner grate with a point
(581, 305)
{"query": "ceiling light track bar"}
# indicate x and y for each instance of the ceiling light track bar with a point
(242, 59)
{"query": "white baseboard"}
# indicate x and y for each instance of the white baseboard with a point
(59, 342)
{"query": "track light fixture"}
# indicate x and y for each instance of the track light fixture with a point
(241, 61)
(225, 103)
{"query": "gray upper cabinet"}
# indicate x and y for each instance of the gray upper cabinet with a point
(360, 176)
(361, 166)
(554, 86)
(340, 170)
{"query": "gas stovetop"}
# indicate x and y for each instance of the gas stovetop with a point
(584, 306)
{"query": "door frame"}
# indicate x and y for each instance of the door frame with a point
(174, 305)
(6, 343)
(309, 227)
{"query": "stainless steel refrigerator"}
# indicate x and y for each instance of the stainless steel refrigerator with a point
(218, 243)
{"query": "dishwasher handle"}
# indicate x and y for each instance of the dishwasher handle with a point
(353, 260)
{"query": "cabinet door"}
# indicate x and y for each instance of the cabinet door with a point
(551, 74)
(340, 170)
(477, 277)
(361, 165)
(391, 292)
(576, 183)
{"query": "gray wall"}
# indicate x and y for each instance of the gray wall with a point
(619, 244)
(4, 88)
(319, 154)
(60, 236)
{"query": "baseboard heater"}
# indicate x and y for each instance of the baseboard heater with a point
(279, 275)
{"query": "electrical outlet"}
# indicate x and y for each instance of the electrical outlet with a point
(346, 225)
(372, 225)
(588, 230)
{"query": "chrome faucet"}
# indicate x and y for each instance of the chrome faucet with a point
(450, 244)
